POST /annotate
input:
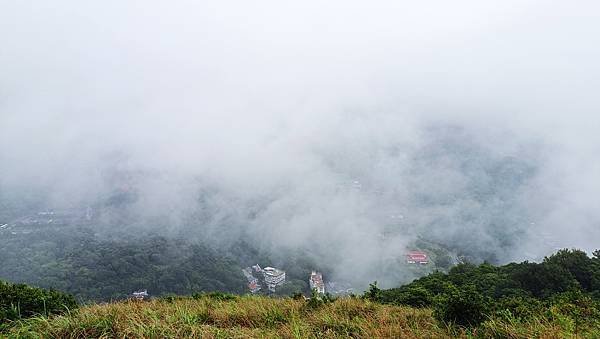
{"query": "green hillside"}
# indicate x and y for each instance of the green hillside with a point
(556, 298)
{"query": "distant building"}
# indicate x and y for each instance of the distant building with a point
(140, 295)
(417, 257)
(253, 284)
(316, 282)
(273, 277)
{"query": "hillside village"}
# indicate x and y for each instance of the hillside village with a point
(268, 279)
(271, 278)
(255, 279)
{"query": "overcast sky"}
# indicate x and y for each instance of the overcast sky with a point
(290, 100)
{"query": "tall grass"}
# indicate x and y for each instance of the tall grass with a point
(209, 316)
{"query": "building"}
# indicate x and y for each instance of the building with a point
(273, 277)
(417, 257)
(253, 284)
(140, 295)
(316, 282)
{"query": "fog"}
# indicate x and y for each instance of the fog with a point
(346, 128)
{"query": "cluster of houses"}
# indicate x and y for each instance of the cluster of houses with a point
(271, 278)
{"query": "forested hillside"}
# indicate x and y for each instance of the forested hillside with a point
(94, 269)
(102, 267)
(558, 298)
(566, 282)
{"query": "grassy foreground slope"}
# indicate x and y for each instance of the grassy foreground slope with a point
(260, 317)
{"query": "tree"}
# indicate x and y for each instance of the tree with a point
(416, 296)
(374, 293)
(542, 280)
(577, 263)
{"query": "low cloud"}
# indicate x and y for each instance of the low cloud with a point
(346, 129)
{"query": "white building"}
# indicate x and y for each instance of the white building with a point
(273, 277)
(140, 295)
(316, 282)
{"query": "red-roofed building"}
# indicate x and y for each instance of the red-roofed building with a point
(253, 286)
(417, 257)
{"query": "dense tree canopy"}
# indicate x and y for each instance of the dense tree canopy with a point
(467, 293)
(94, 268)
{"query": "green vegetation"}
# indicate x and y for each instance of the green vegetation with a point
(18, 301)
(218, 315)
(563, 289)
(556, 298)
(94, 268)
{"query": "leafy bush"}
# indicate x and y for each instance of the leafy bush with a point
(297, 296)
(464, 307)
(579, 307)
(19, 301)
(520, 308)
(316, 300)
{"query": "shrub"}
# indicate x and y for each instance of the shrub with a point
(520, 308)
(316, 300)
(464, 307)
(19, 301)
(579, 307)
(297, 296)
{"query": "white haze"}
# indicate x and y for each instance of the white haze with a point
(280, 106)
